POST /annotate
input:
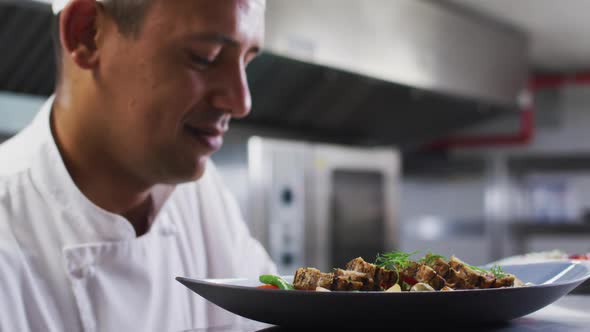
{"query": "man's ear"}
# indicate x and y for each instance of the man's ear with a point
(78, 32)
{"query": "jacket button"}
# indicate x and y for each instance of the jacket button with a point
(83, 272)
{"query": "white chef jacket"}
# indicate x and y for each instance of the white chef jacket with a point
(68, 265)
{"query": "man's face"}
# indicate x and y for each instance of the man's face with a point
(171, 91)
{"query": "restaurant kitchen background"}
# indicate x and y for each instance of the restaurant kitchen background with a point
(458, 126)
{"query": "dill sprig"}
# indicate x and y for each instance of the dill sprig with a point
(431, 258)
(394, 260)
(478, 269)
(496, 270)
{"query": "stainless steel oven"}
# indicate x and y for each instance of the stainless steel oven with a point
(322, 205)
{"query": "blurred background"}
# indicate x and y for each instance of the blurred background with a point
(456, 126)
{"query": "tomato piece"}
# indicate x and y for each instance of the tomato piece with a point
(410, 281)
(267, 287)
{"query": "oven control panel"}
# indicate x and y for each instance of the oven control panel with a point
(287, 210)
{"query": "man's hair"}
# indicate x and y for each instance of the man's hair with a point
(127, 14)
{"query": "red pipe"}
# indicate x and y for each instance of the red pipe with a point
(556, 81)
(527, 118)
(524, 135)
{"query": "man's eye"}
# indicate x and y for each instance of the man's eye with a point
(201, 61)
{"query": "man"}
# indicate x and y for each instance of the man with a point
(109, 195)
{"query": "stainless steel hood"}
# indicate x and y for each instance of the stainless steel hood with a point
(383, 71)
(413, 42)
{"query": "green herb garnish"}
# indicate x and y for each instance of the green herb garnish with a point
(394, 260)
(478, 269)
(431, 258)
(496, 270)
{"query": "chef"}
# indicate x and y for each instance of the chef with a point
(109, 193)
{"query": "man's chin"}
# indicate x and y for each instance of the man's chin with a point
(198, 170)
(188, 174)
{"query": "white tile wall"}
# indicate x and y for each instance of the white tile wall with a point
(16, 111)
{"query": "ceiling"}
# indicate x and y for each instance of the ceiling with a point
(559, 30)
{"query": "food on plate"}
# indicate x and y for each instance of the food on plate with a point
(397, 272)
(275, 281)
(359, 275)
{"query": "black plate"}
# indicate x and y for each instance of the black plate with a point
(377, 309)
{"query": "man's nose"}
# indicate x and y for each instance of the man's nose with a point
(233, 94)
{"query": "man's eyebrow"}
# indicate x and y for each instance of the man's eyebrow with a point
(221, 38)
(215, 37)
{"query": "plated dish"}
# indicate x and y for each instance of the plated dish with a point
(396, 272)
(551, 280)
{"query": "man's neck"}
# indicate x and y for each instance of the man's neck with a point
(97, 176)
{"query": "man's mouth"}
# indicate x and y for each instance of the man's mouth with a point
(209, 137)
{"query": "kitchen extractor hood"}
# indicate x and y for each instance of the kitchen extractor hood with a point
(418, 43)
(397, 72)
(383, 72)
(301, 100)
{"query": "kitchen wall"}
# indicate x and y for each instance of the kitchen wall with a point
(16, 111)
(562, 120)
(445, 214)
(556, 156)
(546, 181)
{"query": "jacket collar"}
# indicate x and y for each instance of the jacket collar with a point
(54, 181)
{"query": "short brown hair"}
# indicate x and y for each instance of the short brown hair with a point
(128, 14)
